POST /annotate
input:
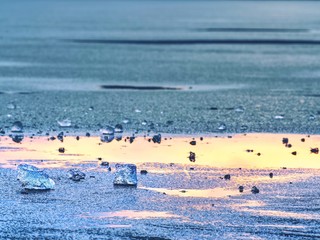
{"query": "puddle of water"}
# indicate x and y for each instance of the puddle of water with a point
(197, 193)
(220, 152)
(130, 214)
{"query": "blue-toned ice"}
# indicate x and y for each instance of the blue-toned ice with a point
(76, 175)
(33, 178)
(17, 127)
(126, 175)
(65, 123)
(107, 134)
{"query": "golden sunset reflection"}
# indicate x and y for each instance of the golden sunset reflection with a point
(219, 152)
(257, 208)
(199, 193)
(130, 214)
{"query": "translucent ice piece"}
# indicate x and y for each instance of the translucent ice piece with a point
(126, 175)
(32, 178)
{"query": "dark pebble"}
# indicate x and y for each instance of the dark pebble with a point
(314, 150)
(105, 164)
(192, 157)
(157, 138)
(255, 190)
(227, 177)
(61, 150)
(285, 140)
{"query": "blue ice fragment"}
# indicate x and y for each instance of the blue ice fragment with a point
(76, 175)
(33, 178)
(126, 175)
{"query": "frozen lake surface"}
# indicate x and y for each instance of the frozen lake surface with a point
(185, 69)
(189, 63)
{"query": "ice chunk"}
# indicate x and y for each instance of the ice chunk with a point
(11, 106)
(23, 168)
(126, 175)
(65, 123)
(76, 175)
(60, 136)
(33, 178)
(126, 121)
(255, 190)
(118, 136)
(222, 127)
(107, 134)
(156, 138)
(118, 128)
(108, 130)
(144, 123)
(17, 127)
(106, 138)
(239, 109)
(17, 137)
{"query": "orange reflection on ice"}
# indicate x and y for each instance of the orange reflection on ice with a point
(220, 152)
(130, 214)
(256, 207)
(199, 193)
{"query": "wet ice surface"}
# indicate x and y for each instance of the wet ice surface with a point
(183, 112)
(281, 210)
(148, 74)
(180, 88)
(176, 198)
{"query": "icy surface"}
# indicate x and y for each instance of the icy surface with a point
(237, 84)
(170, 202)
